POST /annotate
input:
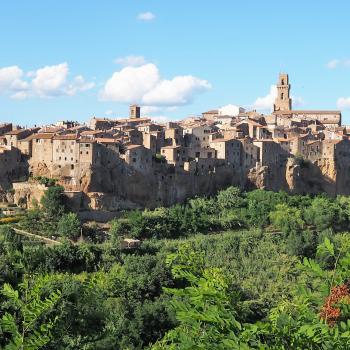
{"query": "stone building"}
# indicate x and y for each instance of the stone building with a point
(283, 101)
(283, 107)
(228, 149)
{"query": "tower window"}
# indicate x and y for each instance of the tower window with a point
(282, 96)
(282, 82)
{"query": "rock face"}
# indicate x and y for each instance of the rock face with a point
(26, 193)
(120, 187)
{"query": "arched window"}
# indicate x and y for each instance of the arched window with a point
(282, 82)
(282, 95)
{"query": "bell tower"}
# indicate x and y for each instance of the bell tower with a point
(283, 101)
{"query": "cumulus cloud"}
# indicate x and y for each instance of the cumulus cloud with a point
(131, 60)
(145, 86)
(266, 102)
(336, 63)
(48, 81)
(146, 16)
(343, 103)
(11, 79)
(229, 109)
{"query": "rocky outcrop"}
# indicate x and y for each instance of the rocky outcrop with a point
(120, 187)
(27, 193)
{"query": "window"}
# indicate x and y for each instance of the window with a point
(282, 82)
(209, 154)
(282, 95)
(198, 154)
(134, 160)
(72, 166)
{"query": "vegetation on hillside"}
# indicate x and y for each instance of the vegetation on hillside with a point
(255, 270)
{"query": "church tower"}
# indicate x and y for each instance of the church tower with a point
(283, 101)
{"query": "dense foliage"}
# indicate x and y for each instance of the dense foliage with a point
(255, 270)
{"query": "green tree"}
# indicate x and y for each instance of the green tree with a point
(230, 198)
(69, 226)
(322, 213)
(287, 219)
(27, 326)
(53, 203)
(205, 309)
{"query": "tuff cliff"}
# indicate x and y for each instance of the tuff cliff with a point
(120, 187)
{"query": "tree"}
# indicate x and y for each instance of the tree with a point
(53, 203)
(69, 226)
(205, 309)
(230, 198)
(287, 219)
(322, 213)
(27, 326)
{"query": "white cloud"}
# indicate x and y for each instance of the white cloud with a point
(144, 85)
(161, 119)
(78, 84)
(146, 16)
(266, 102)
(333, 63)
(229, 109)
(11, 79)
(343, 103)
(178, 91)
(130, 84)
(48, 81)
(109, 112)
(131, 60)
(336, 63)
(145, 110)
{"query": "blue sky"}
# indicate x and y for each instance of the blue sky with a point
(71, 59)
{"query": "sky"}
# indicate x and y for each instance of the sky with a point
(71, 60)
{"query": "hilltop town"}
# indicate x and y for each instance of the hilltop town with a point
(112, 164)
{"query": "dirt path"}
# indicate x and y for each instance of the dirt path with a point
(32, 235)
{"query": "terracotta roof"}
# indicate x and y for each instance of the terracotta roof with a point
(92, 132)
(43, 136)
(66, 137)
(16, 132)
(307, 112)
